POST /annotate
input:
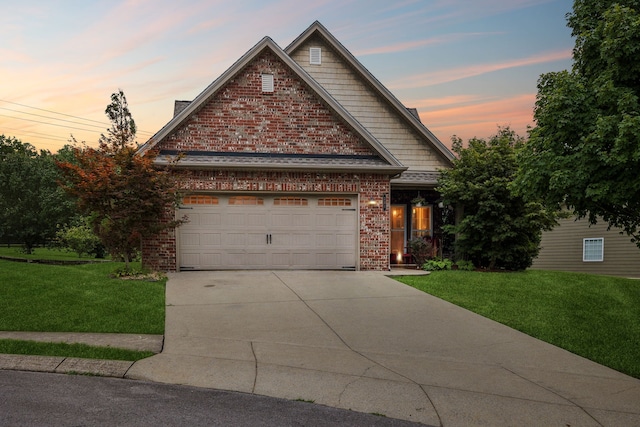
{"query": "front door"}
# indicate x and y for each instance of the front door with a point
(398, 221)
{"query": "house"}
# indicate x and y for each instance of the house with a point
(574, 245)
(297, 158)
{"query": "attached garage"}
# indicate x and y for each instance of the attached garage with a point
(240, 231)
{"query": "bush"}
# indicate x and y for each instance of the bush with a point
(81, 240)
(437, 264)
(465, 265)
(421, 249)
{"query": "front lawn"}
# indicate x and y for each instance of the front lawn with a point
(77, 298)
(43, 253)
(597, 317)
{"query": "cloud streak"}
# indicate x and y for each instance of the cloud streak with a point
(464, 72)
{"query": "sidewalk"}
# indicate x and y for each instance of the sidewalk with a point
(59, 364)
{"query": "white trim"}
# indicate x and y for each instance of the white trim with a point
(590, 254)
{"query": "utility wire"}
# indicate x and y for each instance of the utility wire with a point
(50, 124)
(62, 114)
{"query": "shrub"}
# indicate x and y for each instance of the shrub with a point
(437, 264)
(465, 265)
(81, 240)
(421, 249)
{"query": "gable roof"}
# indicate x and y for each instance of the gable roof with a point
(318, 29)
(388, 164)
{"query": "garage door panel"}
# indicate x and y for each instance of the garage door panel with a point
(190, 239)
(286, 235)
(211, 239)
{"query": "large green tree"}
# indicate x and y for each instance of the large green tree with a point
(124, 196)
(584, 152)
(498, 228)
(32, 206)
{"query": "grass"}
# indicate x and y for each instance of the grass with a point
(77, 298)
(597, 317)
(70, 350)
(42, 253)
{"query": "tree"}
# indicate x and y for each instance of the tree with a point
(32, 206)
(498, 229)
(124, 195)
(584, 152)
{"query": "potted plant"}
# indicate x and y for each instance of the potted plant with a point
(418, 200)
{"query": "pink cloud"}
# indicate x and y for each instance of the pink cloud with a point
(450, 75)
(415, 44)
(471, 117)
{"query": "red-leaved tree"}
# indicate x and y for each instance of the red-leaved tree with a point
(125, 197)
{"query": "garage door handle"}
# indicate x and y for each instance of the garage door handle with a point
(268, 239)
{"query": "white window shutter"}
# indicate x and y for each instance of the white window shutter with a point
(315, 56)
(267, 83)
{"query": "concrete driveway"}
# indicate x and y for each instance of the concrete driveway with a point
(362, 341)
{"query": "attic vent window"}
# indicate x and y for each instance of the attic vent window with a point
(267, 83)
(315, 56)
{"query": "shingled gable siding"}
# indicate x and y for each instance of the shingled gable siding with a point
(240, 118)
(368, 108)
(160, 253)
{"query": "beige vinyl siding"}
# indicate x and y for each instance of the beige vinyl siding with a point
(369, 109)
(561, 249)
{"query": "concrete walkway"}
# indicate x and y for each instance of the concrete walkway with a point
(362, 341)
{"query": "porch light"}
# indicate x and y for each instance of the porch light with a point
(372, 202)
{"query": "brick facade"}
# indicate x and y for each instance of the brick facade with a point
(240, 118)
(160, 253)
(291, 120)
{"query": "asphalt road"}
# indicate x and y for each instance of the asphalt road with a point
(38, 399)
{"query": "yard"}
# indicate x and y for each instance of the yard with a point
(75, 298)
(597, 317)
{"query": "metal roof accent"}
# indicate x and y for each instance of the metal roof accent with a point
(266, 161)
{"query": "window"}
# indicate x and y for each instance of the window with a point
(593, 250)
(315, 56)
(246, 200)
(200, 199)
(267, 83)
(290, 201)
(420, 221)
(334, 201)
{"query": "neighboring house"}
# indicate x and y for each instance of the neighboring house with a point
(576, 246)
(297, 158)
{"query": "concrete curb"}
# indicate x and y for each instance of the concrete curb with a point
(65, 365)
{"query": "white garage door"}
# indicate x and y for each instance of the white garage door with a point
(266, 232)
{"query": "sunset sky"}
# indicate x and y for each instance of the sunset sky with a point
(467, 65)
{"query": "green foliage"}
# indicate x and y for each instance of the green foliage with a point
(437, 264)
(597, 317)
(499, 229)
(124, 195)
(583, 153)
(421, 249)
(32, 206)
(465, 265)
(80, 239)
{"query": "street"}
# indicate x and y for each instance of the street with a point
(38, 399)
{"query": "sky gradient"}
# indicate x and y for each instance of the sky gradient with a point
(467, 66)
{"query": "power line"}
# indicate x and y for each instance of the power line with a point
(49, 124)
(61, 114)
(48, 117)
(46, 135)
